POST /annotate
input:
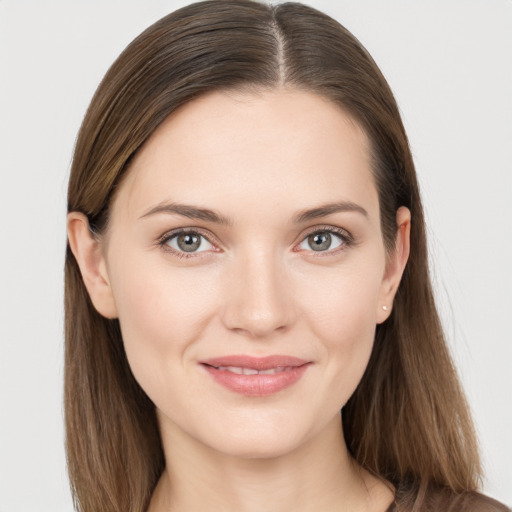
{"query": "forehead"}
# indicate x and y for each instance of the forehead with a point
(280, 146)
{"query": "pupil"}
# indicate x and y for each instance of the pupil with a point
(189, 242)
(320, 241)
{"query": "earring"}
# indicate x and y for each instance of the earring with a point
(385, 308)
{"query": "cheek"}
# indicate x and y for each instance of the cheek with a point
(343, 316)
(161, 314)
(343, 301)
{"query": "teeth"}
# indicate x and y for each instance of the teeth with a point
(271, 371)
(232, 369)
(252, 371)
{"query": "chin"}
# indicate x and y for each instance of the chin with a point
(263, 439)
(262, 447)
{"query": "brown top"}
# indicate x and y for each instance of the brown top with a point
(446, 501)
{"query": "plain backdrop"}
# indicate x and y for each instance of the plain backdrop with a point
(450, 65)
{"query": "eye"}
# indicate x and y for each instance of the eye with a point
(187, 242)
(324, 241)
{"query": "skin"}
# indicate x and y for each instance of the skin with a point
(255, 286)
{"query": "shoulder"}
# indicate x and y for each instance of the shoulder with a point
(469, 501)
(444, 500)
(476, 502)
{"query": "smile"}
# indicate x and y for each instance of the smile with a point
(252, 371)
(252, 376)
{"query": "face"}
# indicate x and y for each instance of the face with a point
(247, 268)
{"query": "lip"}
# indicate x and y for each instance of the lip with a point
(288, 370)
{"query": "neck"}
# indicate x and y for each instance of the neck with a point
(318, 475)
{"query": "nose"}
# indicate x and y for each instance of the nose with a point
(258, 297)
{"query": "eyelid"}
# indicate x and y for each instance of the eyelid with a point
(346, 236)
(162, 240)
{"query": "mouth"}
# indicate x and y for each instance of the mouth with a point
(256, 376)
(239, 370)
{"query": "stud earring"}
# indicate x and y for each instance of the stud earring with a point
(385, 308)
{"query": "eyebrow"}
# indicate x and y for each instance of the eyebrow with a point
(198, 213)
(329, 209)
(191, 212)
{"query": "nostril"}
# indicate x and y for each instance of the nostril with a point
(257, 301)
(257, 324)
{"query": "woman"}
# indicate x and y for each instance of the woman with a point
(247, 258)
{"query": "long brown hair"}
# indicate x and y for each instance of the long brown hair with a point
(408, 420)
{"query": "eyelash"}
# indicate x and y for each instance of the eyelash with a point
(165, 238)
(346, 239)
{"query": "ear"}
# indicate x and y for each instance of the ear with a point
(395, 264)
(88, 251)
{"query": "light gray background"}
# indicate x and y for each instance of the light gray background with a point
(449, 64)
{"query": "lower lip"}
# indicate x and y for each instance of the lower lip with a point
(257, 385)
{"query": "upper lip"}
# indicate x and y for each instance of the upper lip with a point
(256, 363)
